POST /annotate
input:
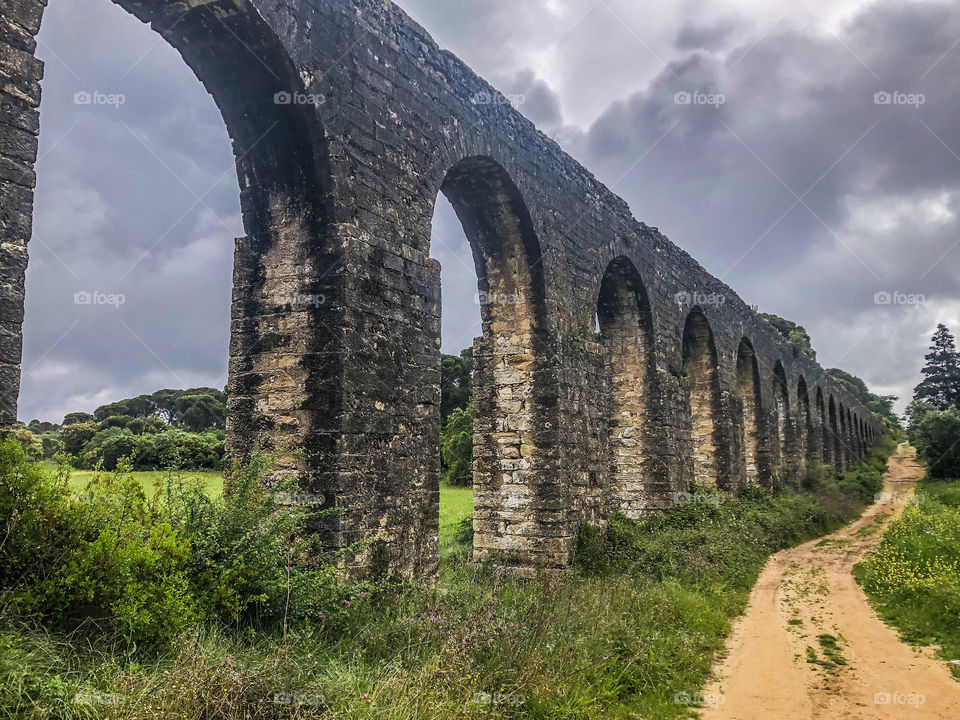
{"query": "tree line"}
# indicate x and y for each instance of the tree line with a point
(169, 428)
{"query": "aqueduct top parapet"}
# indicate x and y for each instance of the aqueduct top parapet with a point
(347, 121)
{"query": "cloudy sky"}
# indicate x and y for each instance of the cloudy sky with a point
(816, 166)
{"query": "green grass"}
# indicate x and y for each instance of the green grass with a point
(213, 480)
(913, 579)
(630, 632)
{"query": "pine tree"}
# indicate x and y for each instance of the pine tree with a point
(940, 386)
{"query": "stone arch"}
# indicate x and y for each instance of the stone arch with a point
(509, 420)
(750, 394)
(626, 333)
(809, 452)
(283, 175)
(826, 446)
(834, 432)
(843, 437)
(701, 369)
(781, 401)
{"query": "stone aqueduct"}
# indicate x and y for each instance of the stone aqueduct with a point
(338, 193)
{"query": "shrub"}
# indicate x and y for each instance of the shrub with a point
(936, 435)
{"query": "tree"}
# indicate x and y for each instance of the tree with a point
(456, 447)
(74, 437)
(456, 382)
(940, 386)
(936, 435)
(796, 334)
(75, 418)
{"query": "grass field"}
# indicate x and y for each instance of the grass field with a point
(213, 480)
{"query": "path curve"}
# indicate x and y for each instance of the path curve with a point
(779, 655)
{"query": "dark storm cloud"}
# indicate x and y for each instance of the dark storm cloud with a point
(879, 184)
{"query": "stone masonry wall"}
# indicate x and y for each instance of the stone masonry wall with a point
(336, 313)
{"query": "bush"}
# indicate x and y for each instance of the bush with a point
(148, 569)
(936, 435)
(914, 577)
(456, 447)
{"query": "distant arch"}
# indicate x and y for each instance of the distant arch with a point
(809, 451)
(700, 366)
(749, 392)
(834, 432)
(781, 397)
(625, 320)
(826, 445)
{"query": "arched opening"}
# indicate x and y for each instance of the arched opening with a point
(826, 448)
(808, 446)
(748, 390)
(781, 398)
(844, 438)
(279, 161)
(626, 334)
(834, 433)
(702, 378)
(509, 422)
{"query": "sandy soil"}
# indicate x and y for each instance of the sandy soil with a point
(810, 646)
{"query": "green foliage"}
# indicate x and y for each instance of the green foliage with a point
(75, 418)
(147, 569)
(75, 436)
(456, 447)
(882, 405)
(866, 479)
(914, 577)
(456, 382)
(936, 435)
(940, 386)
(796, 334)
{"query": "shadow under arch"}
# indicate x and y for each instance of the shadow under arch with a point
(626, 325)
(701, 369)
(808, 447)
(781, 400)
(751, 398)
(826, 453)
(513, 427)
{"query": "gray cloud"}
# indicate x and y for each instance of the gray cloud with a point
(880, 184)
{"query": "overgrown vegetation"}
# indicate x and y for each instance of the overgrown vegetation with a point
(630, 631)
(934, 414)
(797, 335)
(914, 577)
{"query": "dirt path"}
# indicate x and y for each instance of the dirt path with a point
(811, 647)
